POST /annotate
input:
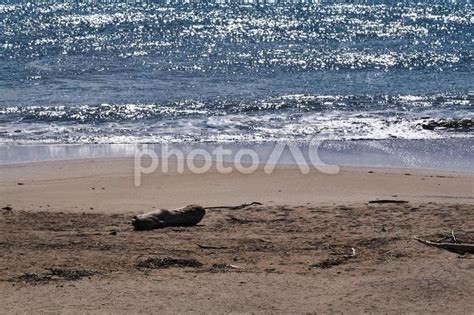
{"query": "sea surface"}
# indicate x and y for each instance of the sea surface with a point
(137, 72)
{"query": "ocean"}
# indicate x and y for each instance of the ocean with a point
(148, 72)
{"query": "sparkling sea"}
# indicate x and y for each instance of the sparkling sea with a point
(157, 72)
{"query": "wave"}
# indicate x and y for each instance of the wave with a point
(283, 118)
(295, 103)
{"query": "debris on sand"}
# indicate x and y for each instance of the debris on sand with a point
(187, 216)
(167, 262)
(210, 246)
(225, 266)
(7, 208)
(55, 274)
(222, 267)
(388, 201)
(233, 219)
(462, 249)
(242, 206)
(70, 274)
(35, 277)
(332, 262)
(328, 263)
(376, 242)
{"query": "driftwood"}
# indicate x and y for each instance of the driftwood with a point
(210, 247)
(187, 216)
(244, 205)
(452, 247)
(388, 201)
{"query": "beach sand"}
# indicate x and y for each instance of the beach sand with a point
(67, 244)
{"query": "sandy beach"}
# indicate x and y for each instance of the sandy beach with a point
(236, 157)
(314, 243)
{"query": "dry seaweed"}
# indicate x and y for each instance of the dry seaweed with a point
(167, 262)
(55, 274)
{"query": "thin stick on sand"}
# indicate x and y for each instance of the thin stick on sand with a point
(244, 205)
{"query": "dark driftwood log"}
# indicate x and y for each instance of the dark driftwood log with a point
(452, 247)
(187, 216)
(388, 201)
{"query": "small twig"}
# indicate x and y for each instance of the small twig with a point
(346, 255)
(454, 237)
(352, 254)
(441, 239)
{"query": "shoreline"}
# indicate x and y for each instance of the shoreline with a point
(436, 154)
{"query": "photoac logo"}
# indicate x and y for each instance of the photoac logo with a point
(226, 161)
